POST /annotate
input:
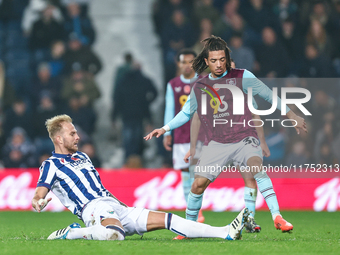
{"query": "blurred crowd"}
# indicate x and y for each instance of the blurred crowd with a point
(272, 39)
(47, 67)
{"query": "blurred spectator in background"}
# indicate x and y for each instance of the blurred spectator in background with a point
(45, 110)
(258, 15)
(7, 98)
(321, 12)
(205, 31)
(82, 115)
(297, 155)
(90, 150)
(318, 37)
(18, 152)
(34, 11)
(323, 152)
(7, 93)
(277, 145)
(56, 60)
(83, 4)
(80, 55)
(315, 64)
(271, 56)
(131, 103)
(122, 70)
(291, 40)
(178, 33)
(322, 104)
(45, 31)
(223, 25)
(79, 25)
(83, 85)
(164, 9)
(205, 9)
(18, 116)
(286, 9)
(46, 84)
(243, 56)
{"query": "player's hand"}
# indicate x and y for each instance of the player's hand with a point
(167, 142)
(157, 132)
(300, 122)
(265, 149)
(40, 204)
(189, 154)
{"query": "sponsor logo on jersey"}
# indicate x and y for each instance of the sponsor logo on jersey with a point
(178, 89)
(186, 89)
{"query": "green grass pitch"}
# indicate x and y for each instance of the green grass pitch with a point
(314, 233)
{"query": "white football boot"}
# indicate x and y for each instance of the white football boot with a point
(62, 233)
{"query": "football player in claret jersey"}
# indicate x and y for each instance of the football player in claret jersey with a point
(237, 143)
(70, 175)
(177, 92)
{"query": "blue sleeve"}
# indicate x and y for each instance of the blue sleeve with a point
(47, 175)
(189, 108)
(169, 106)
(259, 88)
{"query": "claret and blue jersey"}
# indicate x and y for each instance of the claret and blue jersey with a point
(73, 179)
(249, 80)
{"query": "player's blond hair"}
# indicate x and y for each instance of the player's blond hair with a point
(53, 125)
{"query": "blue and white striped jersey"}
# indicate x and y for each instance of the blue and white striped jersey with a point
(73, 179)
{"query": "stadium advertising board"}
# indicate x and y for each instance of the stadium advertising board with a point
(162, 190)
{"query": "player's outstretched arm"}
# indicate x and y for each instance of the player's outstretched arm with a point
(39, 201)
(300, 122)
(156, 132)
(260, 134)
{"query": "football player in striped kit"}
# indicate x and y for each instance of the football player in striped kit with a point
(70, 175)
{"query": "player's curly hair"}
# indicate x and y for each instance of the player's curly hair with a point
(53, 125)
(212, 43)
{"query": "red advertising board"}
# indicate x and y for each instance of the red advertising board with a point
(162, 190)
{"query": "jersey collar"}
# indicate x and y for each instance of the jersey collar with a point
(188, 81)
(57, 155)
(212, 78)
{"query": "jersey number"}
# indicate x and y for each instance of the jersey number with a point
(182, 100)
(251, 140)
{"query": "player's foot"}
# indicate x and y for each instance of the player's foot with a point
(282, 224)
(251, 226)
(237, 225)
(200, 218)
(62, 233)
(179, 237)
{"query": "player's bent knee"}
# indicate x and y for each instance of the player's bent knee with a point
(115, 232)
(109, 233)
(199, 185)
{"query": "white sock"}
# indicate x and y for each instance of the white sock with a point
(97, 232)
(193, 229)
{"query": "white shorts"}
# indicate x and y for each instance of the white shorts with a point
(199, 148)
(179, 151)
(217, 155)
(134, 220)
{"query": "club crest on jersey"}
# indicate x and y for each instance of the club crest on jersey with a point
(231, 82)
(75, 158)
(62, 160)
(178, 89)
(186, 89)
